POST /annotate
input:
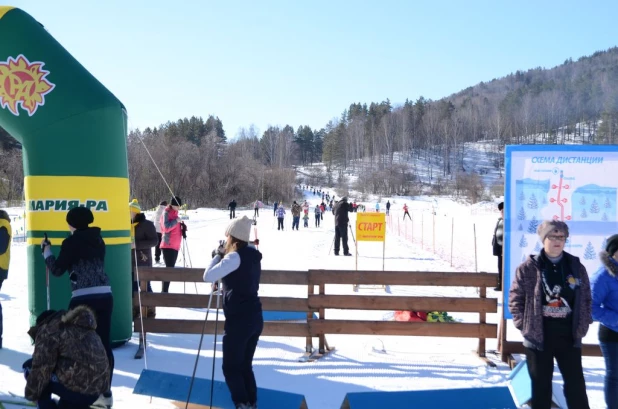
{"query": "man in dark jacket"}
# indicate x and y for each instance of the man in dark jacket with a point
(496, 243)
(69, 360)
(144, 240)
(232, 207)
(340, 210)
(5, 254)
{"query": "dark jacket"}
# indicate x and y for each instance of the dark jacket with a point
(240, 299)
(341, 210)
(5, 244)
(498, 238)
(296, 209)
(67, 345)
(145, 239)
(604, 285)
(232, 205)
(83, 255)
(526, 304)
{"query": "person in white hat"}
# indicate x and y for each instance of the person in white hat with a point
(238, 264)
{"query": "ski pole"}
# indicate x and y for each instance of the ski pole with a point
(199, 349)
(46, 241)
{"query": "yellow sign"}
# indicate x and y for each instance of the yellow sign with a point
(370, 226)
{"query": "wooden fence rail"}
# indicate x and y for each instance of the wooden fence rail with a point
(317, 302)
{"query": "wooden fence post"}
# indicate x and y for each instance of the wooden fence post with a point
(482, 320)
(309, 339)
(322, 316)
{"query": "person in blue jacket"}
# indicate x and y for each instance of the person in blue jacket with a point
(237, 263)
(604, 285)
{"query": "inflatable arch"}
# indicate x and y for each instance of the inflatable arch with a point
(73, 132)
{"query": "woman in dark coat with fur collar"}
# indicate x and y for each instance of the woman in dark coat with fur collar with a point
(605, 310)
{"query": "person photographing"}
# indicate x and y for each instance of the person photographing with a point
(237, 263)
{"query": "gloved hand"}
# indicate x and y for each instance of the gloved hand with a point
(183, 230)
(46, 247)
(256, 242)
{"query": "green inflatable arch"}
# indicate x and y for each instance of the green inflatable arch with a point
(73, 132)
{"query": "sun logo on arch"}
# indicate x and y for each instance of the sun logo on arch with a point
(23, 83)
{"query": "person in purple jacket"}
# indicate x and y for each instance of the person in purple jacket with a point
(605, 310)
(237, 263)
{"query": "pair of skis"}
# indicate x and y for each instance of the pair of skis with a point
(15, 400)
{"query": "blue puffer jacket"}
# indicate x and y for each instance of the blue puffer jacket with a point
(604, 285)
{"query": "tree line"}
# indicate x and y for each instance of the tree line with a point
(382, 143)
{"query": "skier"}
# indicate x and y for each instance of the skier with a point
(388, 207)
(405, 212)
(280, 216)
(256, 209)
(306, 219)
(145, 238)
(295, 215)
(318, 215)
(83, 255)
(69, 360)
(157, 222)
(341, 210)
(377, 207)
(238, 265)
(232, 207)
(5, 254)
(173, 230)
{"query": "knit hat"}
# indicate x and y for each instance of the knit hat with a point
(551, 226)
(80, 217)
(163, 203)
(500, 205)
(612, 245)
(134, 206)
(175, 201)
(240, 229)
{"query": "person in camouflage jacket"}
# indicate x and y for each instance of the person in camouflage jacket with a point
(69, 360)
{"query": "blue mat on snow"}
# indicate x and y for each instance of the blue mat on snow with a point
(176, 387)
(471, 398)
(286, 316)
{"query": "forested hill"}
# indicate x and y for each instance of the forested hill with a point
(541, 100)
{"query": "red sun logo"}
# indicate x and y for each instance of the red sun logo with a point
(23, 83)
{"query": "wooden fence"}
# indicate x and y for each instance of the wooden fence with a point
(318, 301)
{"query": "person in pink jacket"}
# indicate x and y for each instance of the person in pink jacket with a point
(172, 230)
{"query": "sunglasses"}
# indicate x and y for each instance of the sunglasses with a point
(556, 238)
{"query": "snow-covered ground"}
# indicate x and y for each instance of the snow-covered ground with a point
(359, 363)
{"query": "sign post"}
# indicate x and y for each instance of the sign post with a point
(371, 227)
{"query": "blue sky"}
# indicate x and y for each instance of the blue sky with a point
(304, 62)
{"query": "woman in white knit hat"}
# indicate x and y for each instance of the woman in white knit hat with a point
(238, 264)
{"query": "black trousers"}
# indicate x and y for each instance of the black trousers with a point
(500, 272)
(232, 213)
(317, 220)
(102, 305)
(280, 223)
(341, 233)
(239, 344)
(169, 256)
(158, 248)
(1, 281)
(541, 370)
(256, 211)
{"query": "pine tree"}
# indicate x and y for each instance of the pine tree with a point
(582, 201)
(594, 207)
(607, 203)
(523, 242)
(520, 228)
(522, 197)
(534, 223)
(532, 203)
(521, 215)
(604, 217)
(537, 247)
(589, 253)
(584, 214)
